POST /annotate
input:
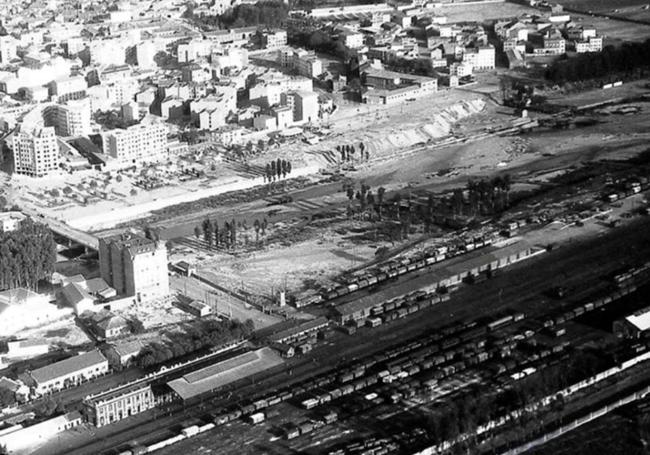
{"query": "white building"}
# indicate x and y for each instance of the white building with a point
(35, 151)
(8, 46)
(591, 44)
(301, 61)
(69, 372)
(107, 95)
(274, 39)
(481, 58)
(145, 53)
(10, 221)
(69, 88)
(70, 119)
(352, 39)
(136, 144)
(304, 105)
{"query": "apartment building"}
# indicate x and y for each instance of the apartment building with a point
(134, 266)
(274, 39)
(482, 58)
(70, 119)
(136, 144)
(35, 151)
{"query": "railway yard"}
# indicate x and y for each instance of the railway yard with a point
(499, 334)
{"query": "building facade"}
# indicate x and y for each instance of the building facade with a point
(119, 404)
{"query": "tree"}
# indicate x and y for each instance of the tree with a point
(257, 226)
(263, 226)
(207, 232)
(381, 191)
(217, 240)
(267, 172)
(273, 170)
(197, 232)
(136, 326)
(278, 168)
(133, 192)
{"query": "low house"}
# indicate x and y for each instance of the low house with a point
(25, 439)
(120, 354)
(106, 325)
(69, 372)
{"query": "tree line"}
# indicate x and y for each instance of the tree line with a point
(27, 255)
(226, 236)
(348, 152)
(204, 334)
(627, 59)
(485, 196)
(267, 13)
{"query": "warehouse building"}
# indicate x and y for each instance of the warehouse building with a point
(297, 332)
(635, 325)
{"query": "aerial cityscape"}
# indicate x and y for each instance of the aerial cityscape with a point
(324, 227)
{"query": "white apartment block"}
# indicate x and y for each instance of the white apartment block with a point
(303, 62)
(106, 95)
(69, 88)
(274, 39)
(136, 144)
(145, 53)
(35, 152)
(211, 119)
(304, 105)
(134, 266)
(193, 50)
(480, 58)
(353, 40)
(554, 44)
(592, 44)
(8, 46)
(70, 119)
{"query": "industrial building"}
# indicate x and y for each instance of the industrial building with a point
(134, 266)
(295, 333)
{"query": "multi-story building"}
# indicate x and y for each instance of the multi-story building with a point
(70, 119)
(145, 53)
(136, 144)
(35, 151)
(69, 372)
(8, 46)
(134, 266)
(70, 88)
(112, 406)
(301, 61)
(481, 58)
(304, 105)
(273, 39)
(591, 44)
(554, 43)
(352, 39)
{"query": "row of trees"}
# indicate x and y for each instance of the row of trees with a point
(204, 334)
(320, 41)
(27, 255)
(485, 196)
(268, 13)
(277, 169)
(624, 59)
(226, 235)
(348, 152)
